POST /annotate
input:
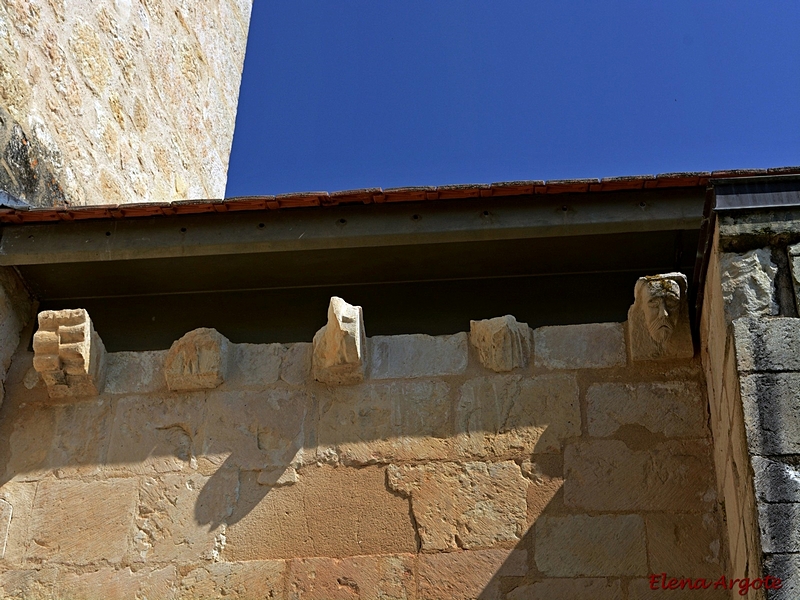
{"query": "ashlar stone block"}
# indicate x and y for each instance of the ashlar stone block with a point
(767, 344)
(255, 579)
(417, 355)
(686, 545)
(606, 475)
(339, 347)
(471, 505)
(673, 408)
(776, 479)
(197, 361)
(69, 354)
(748, 283)
(589, 346)
(504, 416)
(778, 526)
(594, 546)
(6, 511)
(469, 575)
(503, 343)
(771, 403)
(794, 265)
(658, 321)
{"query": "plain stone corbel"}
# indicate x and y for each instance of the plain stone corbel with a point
(503, 343)
(340, 346)
(69, 354)
(197, 361)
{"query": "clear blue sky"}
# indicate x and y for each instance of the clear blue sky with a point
(350, 94)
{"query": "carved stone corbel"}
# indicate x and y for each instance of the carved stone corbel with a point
(340, 346)
(197, 361)
(503, 343)
(658, 320)
(68, 354)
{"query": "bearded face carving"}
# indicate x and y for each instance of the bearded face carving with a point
(658, 321)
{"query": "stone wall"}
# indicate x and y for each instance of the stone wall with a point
(505, 463)
(751, 351)
(118, 100)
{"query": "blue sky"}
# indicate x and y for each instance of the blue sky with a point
(351, 94)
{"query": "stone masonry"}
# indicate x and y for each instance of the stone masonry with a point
(116, 101)
(514, 465)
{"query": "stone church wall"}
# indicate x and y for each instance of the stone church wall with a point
(116, 101)
(500, 464)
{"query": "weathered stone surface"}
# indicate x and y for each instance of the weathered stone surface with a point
(135, 372)
(29, 584)
(172, 515)
(82, 522)
(68, 354)
(152, 434)
(70, 439)
(767, 344)
(776, 479)
(6, 510)
(546, 473)
(673, 408)
(778, 526)
(384, 422)
(584, 588)
(503, 344)
(794, 266)
(748, 283)
(590, 346)
(658, 320)
(254, 366)
(601, 546)
(785, 566)
(401, 356)
(508, 415)
(364, 577)
(468, 575)
(771, 404)
(470, 505)
(639, 589)
(257, 430)
(607, 475)
(353, 510)
(123, 583)
(339, 355)
(197, 361)
(258, 579)
(15, 310)
(684, 545)
(296, 364)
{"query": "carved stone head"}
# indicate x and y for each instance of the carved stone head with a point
(658, 321)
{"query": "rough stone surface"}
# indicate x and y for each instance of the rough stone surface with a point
(68, 354)
(607, 475)
(6, 511)
(590, 346)
(771, 404)
(684, 545)
(123, 583)
(470, 505)
(296, 364)
(339, 355)
(135, 372)
(258, 579)
(601, 546)
(785, 566)
(503, 344)
(197, 361)
(673, 408)
(254, 366)
(569, 589)
(402, 356)
(16, 309)
(468, 575)
(748, 283)
(384, 422)
(330, 511)
(794, 266)
(767, 344)
(658, 321)
(122, 101)
(776, 479)
(778, 526)
(369, 577)
(156, 434)
(544, 409)
(82, 523)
